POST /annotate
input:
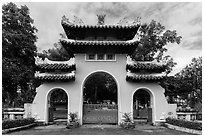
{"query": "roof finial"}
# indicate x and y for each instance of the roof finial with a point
(101, 19)
(137, 20)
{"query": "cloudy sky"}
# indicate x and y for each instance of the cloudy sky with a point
(185, 18)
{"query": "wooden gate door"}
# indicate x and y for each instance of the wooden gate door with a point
(149, 115)
(50, 119)
(100, 114)
(141, 113)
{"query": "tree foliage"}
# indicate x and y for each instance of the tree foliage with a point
(191, 79)
(100, 86)
(58, 53)
(18, 49)
(152, 44)
(187, 83)
(172, 89)
(153, 41)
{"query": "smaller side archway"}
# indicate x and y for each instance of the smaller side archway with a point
(143, 105)
(57, 105)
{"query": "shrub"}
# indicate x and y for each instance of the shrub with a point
(127, 125)
(73, 117)
(184, 123)
(72, 125)
(17, 123)
(127, 122)
(73, 122)
(127, 117)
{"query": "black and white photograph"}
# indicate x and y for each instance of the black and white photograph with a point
(101, 68)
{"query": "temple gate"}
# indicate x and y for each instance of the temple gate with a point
(105, 50)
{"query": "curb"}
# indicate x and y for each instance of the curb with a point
(183, 129)
(17, 128)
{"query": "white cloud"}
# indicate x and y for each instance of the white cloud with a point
(181, 56)
(185, 18)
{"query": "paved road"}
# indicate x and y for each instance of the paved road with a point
(98, 130)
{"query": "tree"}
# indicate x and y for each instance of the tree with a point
(58, 53)
(18, 50)
(153, 41)
(187, 84)
(191, 79)
(152, 44)
(173, 89)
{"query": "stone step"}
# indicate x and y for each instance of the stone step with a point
(140, 121)
(60, 121)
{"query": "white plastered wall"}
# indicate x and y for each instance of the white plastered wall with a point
(74, 89)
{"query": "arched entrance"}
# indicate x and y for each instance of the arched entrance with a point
(57, 105)
(143, 105)
(100, 99)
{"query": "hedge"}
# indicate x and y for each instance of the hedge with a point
(184, 123)
(17, 122)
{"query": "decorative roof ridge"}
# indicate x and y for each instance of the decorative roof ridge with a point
(90, 41)
(102, 26)
(65, 21)
(144, 75)
(39, 61)
(130, 61)
(55, 77)
(70, 74)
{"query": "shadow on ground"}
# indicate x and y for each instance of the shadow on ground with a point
(143, 129)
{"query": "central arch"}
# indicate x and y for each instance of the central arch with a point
(100, 99)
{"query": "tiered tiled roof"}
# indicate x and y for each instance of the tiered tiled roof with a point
(46, 70)
(135, 66)
(79, 46)
(78, 31)
(47, 77)
(144, 77)
(85, 43)
(144, 71)
(51, 66)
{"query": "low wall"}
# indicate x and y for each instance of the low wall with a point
(187, 130)
(18, 113)
(28, 110)
(171, 110)
(13, 113)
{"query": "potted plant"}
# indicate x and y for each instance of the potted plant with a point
(127, 121)
(73, 121)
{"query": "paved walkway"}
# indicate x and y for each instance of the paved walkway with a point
(98, 130)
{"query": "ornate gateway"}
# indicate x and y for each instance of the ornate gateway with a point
(102, 75)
